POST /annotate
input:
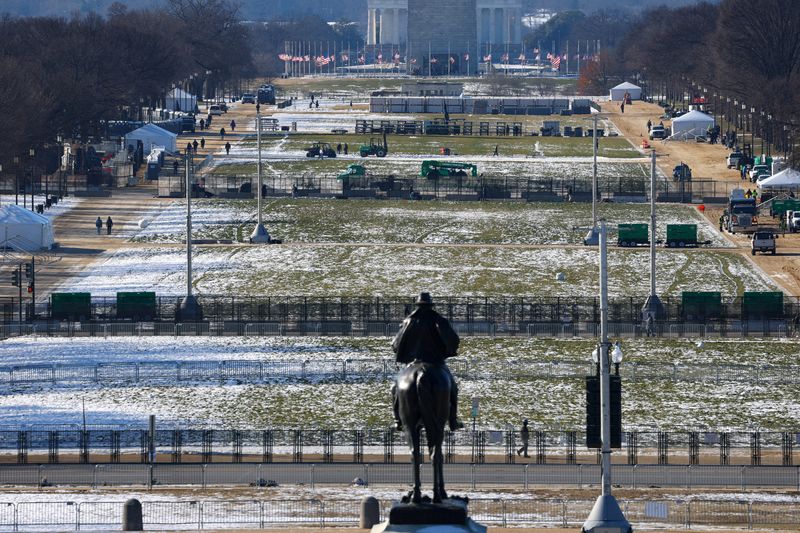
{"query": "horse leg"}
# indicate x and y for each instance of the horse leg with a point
(416, 494)
(439, 493)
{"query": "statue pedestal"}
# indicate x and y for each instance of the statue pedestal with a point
(449, 516)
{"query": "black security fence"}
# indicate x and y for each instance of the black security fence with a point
(383, 445)
(500, 315)
(465, 187)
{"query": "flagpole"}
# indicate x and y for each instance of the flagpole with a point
(448, 59)
(429, 59)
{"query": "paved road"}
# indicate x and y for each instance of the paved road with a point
(483, 476)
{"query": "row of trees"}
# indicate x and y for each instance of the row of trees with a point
(62, 76)
(742, 51)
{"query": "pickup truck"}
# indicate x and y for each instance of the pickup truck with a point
(735, 159)
(658, 132)
(763, 241)
(757, 171)
(793, 221)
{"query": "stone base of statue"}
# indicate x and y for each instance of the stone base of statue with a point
(450, 516)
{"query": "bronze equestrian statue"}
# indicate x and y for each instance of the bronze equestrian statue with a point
(425, 394)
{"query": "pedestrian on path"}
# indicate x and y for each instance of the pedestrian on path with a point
(194, 145)
(258, 109)
(496, 151)
(339, 149)
(222, 133)
(233, 125)
(202, 142)
(202, 124)
(188, 148)
(524, 435)
(174, 173)
(345, 148)
(109, 224)
(98, 224)
(227, 148)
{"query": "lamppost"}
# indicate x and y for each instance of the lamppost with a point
(32, 155)
(259, 234)
(16, 180)
(653, 306)
(592, 237)
(189, 310)
(606, 516)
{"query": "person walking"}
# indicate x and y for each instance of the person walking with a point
(188, 148)
(222, 133)
(345, 148)
(496, 150)
(339, 149)
(109, 225)
(524, 435)
(650, 329)
(98, 224)
(202, 124)
(233, 125)
(227, 148)
(649, 125)
(174, 173)
(202, 142)
(258, 109)
(195, 144)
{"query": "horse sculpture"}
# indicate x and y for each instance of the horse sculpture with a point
(423, 397)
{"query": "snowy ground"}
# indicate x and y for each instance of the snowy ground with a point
(60, 208)
(392, 270)
(400, 221)
(548, 403)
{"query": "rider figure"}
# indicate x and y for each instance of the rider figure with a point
(426, 336)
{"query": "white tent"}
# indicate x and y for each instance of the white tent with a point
(24, 230)
(692, 123)
(180, 100)
(152, 135)
(618, 92)
(785, 179)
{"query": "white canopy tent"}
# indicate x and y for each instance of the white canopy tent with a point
(785, 179)
(24, 230)
(151, 136)
(692, 123)
(618, 92)
(179, 100)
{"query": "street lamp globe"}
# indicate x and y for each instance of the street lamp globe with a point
(616, 354)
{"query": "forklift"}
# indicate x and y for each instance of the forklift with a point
(373, 148)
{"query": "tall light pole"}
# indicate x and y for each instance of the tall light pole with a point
(653, 306)
(606, 516)
(259, 234)
(189, 310)
(592, 237)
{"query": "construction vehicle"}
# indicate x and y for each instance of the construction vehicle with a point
(373, 148)
(681, 235)
(352, 171)
(320, 149)
(742, 213)
(633, 235)
(442, 169)
(266, 94)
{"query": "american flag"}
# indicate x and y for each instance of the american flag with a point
(306, 58)
(555, 61)
(361, 59)
(504, 58)
(413, 60)
(345, 58)
(522, 57)
(487, 57)
(466, 57)
(452, 60)
(434, 61)
(284, 57)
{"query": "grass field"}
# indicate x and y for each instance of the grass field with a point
(430, 145)
(394, 270)
(402, 221)
(552, 403)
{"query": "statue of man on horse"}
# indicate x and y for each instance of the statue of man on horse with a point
(425, 394)
(427, 337)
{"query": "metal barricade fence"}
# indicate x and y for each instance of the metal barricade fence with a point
(232, 514)
(50, 514)
(99, 514)
(186, 514)
(263, 329)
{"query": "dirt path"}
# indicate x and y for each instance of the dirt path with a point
(708, 162)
